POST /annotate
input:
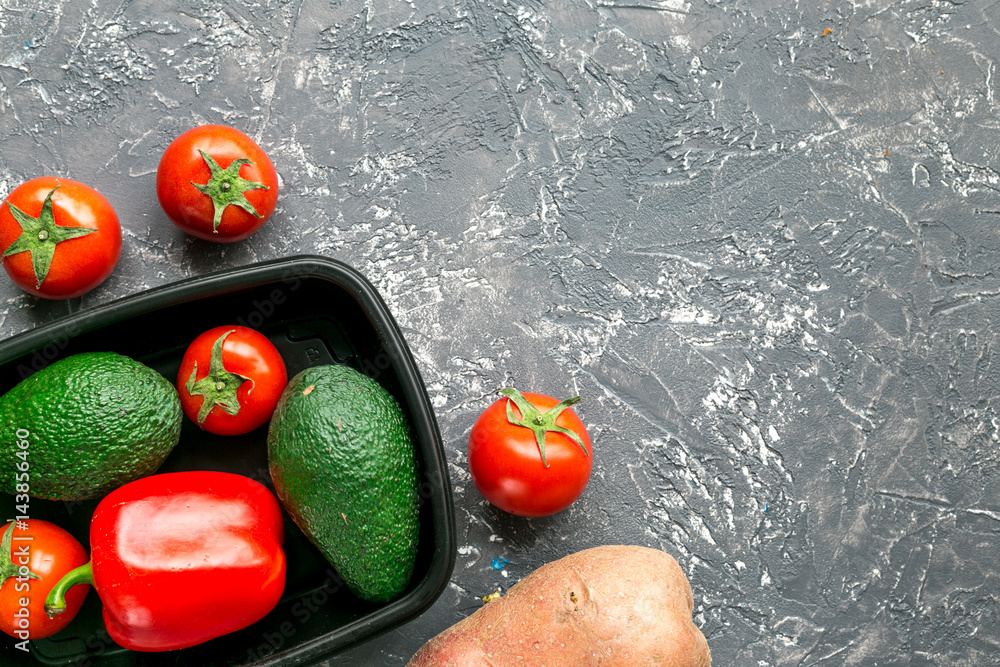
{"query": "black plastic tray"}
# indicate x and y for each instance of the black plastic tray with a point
(316, 311)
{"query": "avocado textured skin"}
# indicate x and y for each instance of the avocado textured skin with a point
(94, 421)
(344, 467)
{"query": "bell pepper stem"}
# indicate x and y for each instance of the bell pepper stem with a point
(55, 601)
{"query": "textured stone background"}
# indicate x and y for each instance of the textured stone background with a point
(759, 238)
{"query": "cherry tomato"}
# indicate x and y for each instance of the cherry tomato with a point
(230, 380)
(529, 454)
(61, 238)
(216, 183)
(34, 556)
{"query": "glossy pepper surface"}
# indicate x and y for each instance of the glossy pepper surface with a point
(181, 558)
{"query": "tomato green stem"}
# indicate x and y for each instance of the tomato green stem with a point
(40, 236)
(219, 387)
(8, 568)
(540, 423)
(226, 187)
(55, 601)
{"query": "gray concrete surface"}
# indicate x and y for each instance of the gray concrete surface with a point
(759, 238)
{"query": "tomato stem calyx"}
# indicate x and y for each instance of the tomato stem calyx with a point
(219, 387)
(40, 236)
(540, 422)
(226, 187)
(8, 568)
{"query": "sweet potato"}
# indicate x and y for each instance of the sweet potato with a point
(612, 606)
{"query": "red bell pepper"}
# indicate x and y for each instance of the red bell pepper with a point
(181, 558)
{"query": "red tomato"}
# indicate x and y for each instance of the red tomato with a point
(533, 467)
(215, 183)
(230, 380)
(51, 553)
(61, 238)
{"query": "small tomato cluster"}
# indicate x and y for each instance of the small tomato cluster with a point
(61, 238)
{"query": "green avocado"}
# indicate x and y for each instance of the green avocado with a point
(85, 425)
(344, 467)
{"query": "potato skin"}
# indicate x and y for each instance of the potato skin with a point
(612, 606)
